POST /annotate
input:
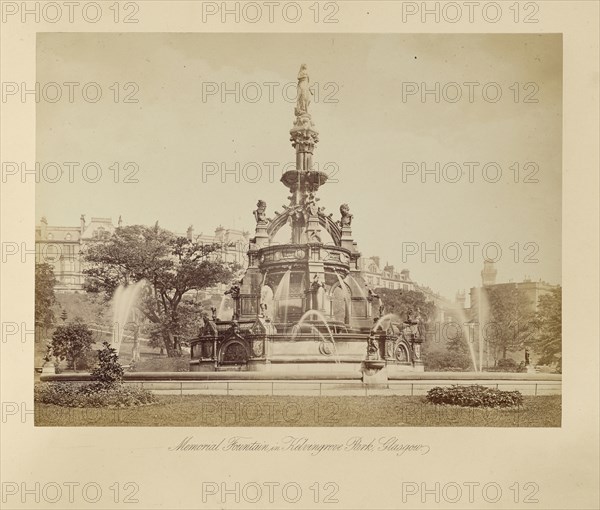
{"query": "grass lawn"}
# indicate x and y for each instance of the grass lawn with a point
(303, 411)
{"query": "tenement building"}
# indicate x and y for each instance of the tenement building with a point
(62, 246)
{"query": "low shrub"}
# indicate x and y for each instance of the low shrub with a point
(96, 394)
(108, 370)
(88, 360)
(474, 396)
(447, 361)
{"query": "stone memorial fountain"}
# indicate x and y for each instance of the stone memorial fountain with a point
(303, 305)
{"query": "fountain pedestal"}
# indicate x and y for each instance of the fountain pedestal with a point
(374, 372)
(48, 368)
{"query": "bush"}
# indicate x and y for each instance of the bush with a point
(447, 361)
(508, 365)
(88, 360)
(109, 370)
(70, 342)
(474, 396)
(94, 394)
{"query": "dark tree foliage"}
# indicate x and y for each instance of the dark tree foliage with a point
(511, 320)
(546, 340)
(44, 294)
(108, 371)
(71, 342)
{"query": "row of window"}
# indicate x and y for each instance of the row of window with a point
(376, 281)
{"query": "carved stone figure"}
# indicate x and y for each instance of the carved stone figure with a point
(210, 327)
(389, 348)
(316, 284)
(234, 291)
(346, 219)
(314, 237)
(371, 295)
(213, 311)
(417, 351)
(260, 214)
(304, 92)
(318, 289)
(263, 309)
(311, 204)
(372, 346)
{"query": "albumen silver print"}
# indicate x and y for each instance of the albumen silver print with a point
(299, 254)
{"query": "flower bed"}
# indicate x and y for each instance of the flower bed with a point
(474, 396)
(92, 395)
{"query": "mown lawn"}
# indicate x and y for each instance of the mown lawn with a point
(303, 411)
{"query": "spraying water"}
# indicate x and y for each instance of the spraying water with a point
(281, 296)
(360, 289)
(123, 302)
(465, 334)
(386, 317)
(319, 315)
(484, 319)
(226, 305)
(345, 292)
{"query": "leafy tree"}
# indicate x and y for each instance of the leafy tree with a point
(190, 315)
(44, 295)
(71, 342)
(109, 371)
(400, 302)
(511, 319)
(546, 340)
(172, 266)
(457, 343)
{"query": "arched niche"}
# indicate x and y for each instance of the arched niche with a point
(266, 297)
(234, 352)
(339, 302)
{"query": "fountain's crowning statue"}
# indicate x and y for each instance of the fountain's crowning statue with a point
(303, 305)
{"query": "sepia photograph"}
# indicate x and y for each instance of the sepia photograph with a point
(325, 254)
(371, 239)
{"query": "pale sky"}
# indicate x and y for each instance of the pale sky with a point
(172, 133)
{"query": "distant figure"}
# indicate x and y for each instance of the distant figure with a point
(526, 357)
